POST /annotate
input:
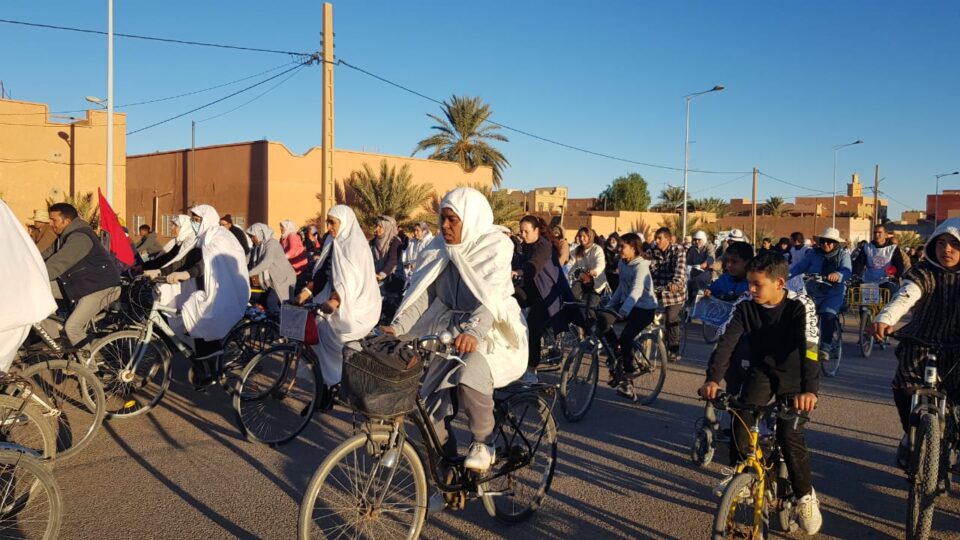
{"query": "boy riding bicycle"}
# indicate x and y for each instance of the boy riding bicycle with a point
(782, 334)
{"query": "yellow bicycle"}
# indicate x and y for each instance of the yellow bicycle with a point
(759, 483)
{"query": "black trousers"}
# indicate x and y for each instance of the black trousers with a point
(636, 321)
(536, 325)
(758, 390)
(673, 327)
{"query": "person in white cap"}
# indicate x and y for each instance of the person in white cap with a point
(700, 262)
(832, 262)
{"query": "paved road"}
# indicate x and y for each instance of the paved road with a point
(185, 472)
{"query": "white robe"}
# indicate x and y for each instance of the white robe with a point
(354, 279)
(26, 286)
(483, 258)
(175, 294)
(211, 313)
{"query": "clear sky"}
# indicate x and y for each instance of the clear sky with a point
(611, 77)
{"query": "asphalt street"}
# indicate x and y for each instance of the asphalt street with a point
(185, 471)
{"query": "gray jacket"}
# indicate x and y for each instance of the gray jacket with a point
(269, 257)
(636, 287)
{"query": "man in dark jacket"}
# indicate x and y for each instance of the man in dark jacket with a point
(80, 270)
(148, 246)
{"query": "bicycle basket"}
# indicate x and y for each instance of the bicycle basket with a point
(381, 377)
(137, 300)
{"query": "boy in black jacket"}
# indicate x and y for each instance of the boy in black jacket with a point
(783, 335)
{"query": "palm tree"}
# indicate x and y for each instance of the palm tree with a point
(908, 239)
(463, 134)
(671, 199)
(387, 192)
(714, 205)
(505, 211)
(774, 206)
(87, 207)
(675, 224)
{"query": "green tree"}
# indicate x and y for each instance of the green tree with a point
(675, 224)
(714, 205)
(463, 134)
(774, 206)
(387, 192)
(908, 239)
(628, 193)
(88, 208)
(671, 199)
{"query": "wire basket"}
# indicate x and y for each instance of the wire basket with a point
(137, 300)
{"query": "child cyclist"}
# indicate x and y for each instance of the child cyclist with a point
(732, 284)
(930, 289)
(782, 333)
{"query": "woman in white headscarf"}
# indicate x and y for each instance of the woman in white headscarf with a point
(270, 265)
(386, 247)
(174, 295)
(346, 290)
(463, 283)
(218, 267)
(421, 237)
(27, 286)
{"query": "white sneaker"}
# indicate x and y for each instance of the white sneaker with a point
(480, 457)
(808, 512)
(529, 377)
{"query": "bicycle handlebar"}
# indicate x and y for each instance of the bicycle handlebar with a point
(900, 336)
(581, 305)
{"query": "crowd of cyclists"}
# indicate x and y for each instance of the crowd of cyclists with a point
(502, 293)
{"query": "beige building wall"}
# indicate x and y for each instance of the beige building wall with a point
(541, 200)
(42, 156)
(855, 229)
(912, 216)
(623, 222)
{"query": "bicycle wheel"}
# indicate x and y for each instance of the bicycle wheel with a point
(278, 393)
(525, 438)
(130, 390)
(28, 428)
(30, 501)
(355, 494)
(702, 450)
(73, 397)
(650, 353)
(578, 382)
(831, 365)
(866, 333)
(924, 473)
(243, 343)
(736, 513)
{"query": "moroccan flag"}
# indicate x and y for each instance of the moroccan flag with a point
(119, 243)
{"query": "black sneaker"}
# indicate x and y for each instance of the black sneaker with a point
(625, 389)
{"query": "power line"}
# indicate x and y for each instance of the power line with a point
(782, 181)
(715, 186)
(214, 102)
(901, 203)
(153, 38)
(527, 133)
(258, 96)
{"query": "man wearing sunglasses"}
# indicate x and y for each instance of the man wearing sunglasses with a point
(832, 262)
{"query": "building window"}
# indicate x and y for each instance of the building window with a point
(240, 221)
(166, 224)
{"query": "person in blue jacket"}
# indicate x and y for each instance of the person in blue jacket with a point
(831, 262)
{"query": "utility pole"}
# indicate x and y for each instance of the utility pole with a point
(326, 175)
(193, 158)
(876, 196)
(753, 236)
(110, 102)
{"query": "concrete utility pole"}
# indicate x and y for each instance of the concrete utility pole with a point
(876, 195)
(326, 176)
(753, 236)
(110, 102)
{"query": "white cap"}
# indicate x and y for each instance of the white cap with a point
(700, 235)
(830, 234)
(736, 235)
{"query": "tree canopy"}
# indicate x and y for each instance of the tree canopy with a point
(628, 193)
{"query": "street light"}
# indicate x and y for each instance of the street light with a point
(97, 101)
(686, 148)
(834, 209)
(936, 209)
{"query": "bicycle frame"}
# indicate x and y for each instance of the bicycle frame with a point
(754, 462)
(156, 319)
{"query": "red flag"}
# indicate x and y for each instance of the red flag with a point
(119, 243)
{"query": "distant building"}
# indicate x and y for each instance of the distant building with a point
(853, 204)
(912, 217)
(548, 200)
(949, 205)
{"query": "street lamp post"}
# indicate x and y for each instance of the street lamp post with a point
(686, 148)
(833, 210)
(936, 207)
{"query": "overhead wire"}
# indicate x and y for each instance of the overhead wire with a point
(258, 96)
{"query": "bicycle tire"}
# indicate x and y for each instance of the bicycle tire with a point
(725, 525)
(31, 429)
(866, 333)
(77, 410)
(267, 383)
(361, 448)
(30, 501)
(831, 367)
(584, 360)
(243, 343)
(130, 393)
(925, 473)
(702, 450)
(513, 443)
(649, 383)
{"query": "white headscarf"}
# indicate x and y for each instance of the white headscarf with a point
(381, 244)
(414, 246)
(23, 274)
(353, 277)
(483, 259)
(186, 238)
(287, 228)
(211, 313)
(262, 232)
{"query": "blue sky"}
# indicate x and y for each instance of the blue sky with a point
(801, 77)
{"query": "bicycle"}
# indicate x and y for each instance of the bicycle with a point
(70, 394)
(280, 387)
(830, 357)
(755, 489)
(868, 299)
(374, 483)
(934, 441)
(31, 505)
(255, 332)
